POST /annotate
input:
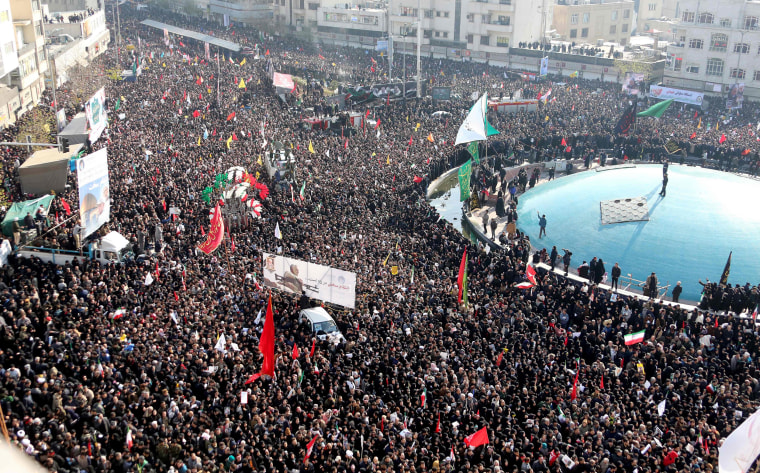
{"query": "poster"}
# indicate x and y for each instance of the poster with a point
(94, 192)
(544, 66)
(679, 95)
(316, 281)
(207, 51)
(97, 119)
(735, 96)
(631, 83)
(60, 118)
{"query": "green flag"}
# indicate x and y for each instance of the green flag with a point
(656, 110)
(474, 150)
(118, 104)
(490, 131)
(464, 180)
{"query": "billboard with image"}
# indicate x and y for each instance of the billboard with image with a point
(316, 281)
(97, 119)
(735, 96)
(631, 83)
(94, 191)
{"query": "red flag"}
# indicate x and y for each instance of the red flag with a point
(377, 124)
(460, 278)
(313, 346)
(417, 179)
(230, 116)
(253, 378)
(746, 152)
(345, 145)
(366, 114)
(693, 135)
(266, 343)
(410, 141)
(553, 457)
(266, 53)
(388, 99)
(295, 351)
(215, 233)
(234, 136)
(320, 56)
(176, 296)
(158, 272)
(601, 382)
(574, 392)
(568, 149)
(478, 438)
(203, 232)
(196, 114)
(310, 447)
(564, 143)
(498, 360)
(66, 207)
(722, 138)
(438, 425)
(716, 321)
(696, 114)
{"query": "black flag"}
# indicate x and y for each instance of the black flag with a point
(626, 121)
(726, 270)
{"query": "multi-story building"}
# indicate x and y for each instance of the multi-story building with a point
(715, 46)
(73, 5)
(72, 44)
(28, 77)
(654, 15)
(591, 21)
(250, 12)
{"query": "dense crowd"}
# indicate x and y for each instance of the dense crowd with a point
(91, 356)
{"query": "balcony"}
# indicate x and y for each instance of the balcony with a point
(498, 26)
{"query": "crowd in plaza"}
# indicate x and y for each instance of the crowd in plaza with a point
(103, 373)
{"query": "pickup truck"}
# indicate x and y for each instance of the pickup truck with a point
(112, 248)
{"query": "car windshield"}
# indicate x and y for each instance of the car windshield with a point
(327, 327)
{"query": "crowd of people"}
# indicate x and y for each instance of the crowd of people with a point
(101, 371)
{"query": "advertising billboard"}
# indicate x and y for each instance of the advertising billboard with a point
(316, 281)
(94, 192)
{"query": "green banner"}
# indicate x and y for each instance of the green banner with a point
(474, 150)
(464, 180)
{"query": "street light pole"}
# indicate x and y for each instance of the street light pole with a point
(419, 44)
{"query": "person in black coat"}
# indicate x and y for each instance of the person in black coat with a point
(599, 275)
(615, 276)
(677, 291)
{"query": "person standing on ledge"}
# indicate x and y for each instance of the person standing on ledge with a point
(541, 224)
(677, 291)
(664, 184)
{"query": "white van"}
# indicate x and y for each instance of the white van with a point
(322, 325)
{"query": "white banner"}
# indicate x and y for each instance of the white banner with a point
(316, 281)
(679, 95)
(95, 109)
(94, 192)
(740, 449)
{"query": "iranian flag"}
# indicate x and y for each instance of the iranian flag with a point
(303, 191)
(634, 338)
(423, 397)
(310, 447)
(129, 439)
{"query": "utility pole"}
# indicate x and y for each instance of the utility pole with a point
(51, 69)
(390, 42)
(419, 45)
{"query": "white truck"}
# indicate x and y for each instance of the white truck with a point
(112, 248)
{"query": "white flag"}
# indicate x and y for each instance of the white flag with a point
(277, 233)
(258, 318)
(244, 397)
(148, 279)
(740, 449)
(661, 408)
(173, 315)
(220, 344)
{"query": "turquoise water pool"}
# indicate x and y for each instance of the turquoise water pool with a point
(705, 215)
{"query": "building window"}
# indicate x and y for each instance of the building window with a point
(584, 32)
(470, 17)
(313, 6)
(696, 43)
(586, 18)
(407, 11)
(688, 17)
(469, 38)
(505, 2)
(750, 23)
(502, 41)
(613, 29)
(574, 19)
(706, 18)
(445, 34)
(484, 40)
(504, 20)
(714, 67)
(737, 73)
(626, 14)
(652, 7)
(437, 34)
(428, 13)
(725, 22)
(741, 48)
(692, 69)
(756, 76)
(427, 33)
(719, 42)
(445, 14)
(614, 15)
(625, 28)
(573, 33)
(677, 63)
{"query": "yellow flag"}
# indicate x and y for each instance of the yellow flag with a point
(386, 258)
(394, 270)
(407, 118)
(311, 148)
(417, 128)
(699, 125)
(333, 64)
(381, 53)
(442, 73)
(209, 90)
(291, 145)
(241, 85)
(242, 63)
(199, 141)
(374, 154)
(430, 138)
(546, 119)
(259, 162)
(257, 175)
(163, 64)
(717, 122)
(388, 159)
(229, 140)
(123, 100)
(123, 337)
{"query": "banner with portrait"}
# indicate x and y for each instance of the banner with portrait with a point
(735, 96)
(632, 82)
(544, 66)
(95, 110)
(94, 192)
(316, 281)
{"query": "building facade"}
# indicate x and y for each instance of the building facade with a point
(84, 41)
(594, 21)
(29, 77)
(716, 46)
